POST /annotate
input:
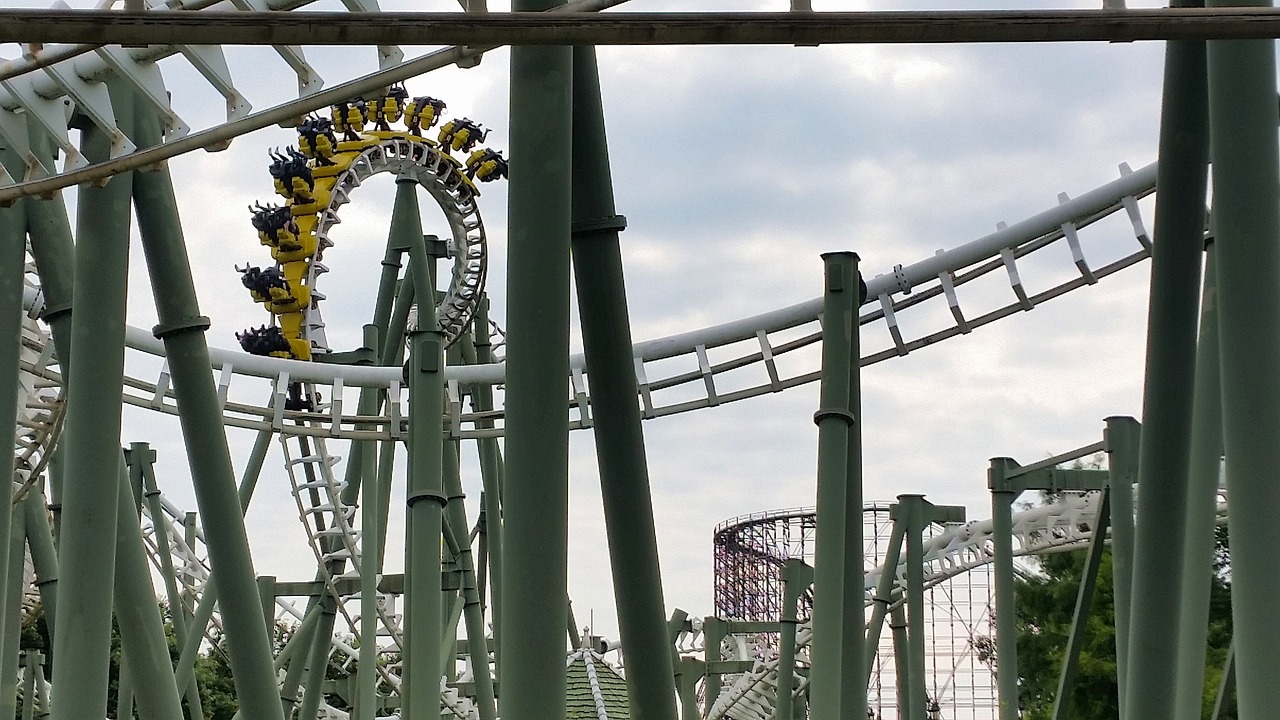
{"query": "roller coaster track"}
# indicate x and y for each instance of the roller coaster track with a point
(1065, 524)
(38, 93)
(712, 366)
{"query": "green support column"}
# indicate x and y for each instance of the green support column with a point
(1122, 437)
(144, 649)
(901, 663)
(536, 491)
(1167, 397)
(177, 613)
(1002, 563)
(796, 577)
(318, 663)
(884, 596)
(853, 692)
(181, 327)
(53, 250)
(425, 498)
(835, 419)
(1084, 602)
(473, 611)
(370, 550)
(1202, 505)
(1246, 205)
(92, 433)
(713, 633)
(13, 236)
(620, 453)
(44, 558)
(914, 540)
(15, 586)
(490, 456)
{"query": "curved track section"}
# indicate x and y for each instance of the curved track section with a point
(725, 363)
(37, 93)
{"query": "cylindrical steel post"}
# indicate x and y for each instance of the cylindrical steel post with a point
(15, 586)
(794, 582)
(1123, 437)
(835, 419)
(473, 611)
(92, 433)
(901, 662)
(145, 651)
(884, 596)
(1202, 505)
(425, 499)
(912, 507)
(1167, 398)
(1002, 563)
(1246, 218)
(620, 453)
(181, 327)
(44, 558)
(536, 494)
(13, 237)
(490, 456)
(53, 250)
(853, 693)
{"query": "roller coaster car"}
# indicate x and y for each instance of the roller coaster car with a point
(462, 135)
(317, 141)
(486, 165)
(422, 113)
(389, 108)
(274, 223)
(268, 341)
(349, 119)
(277, 293)
(292, 176)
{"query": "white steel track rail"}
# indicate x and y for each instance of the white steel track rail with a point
(685, 372)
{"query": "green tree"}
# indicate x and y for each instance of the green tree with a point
(1045, 602)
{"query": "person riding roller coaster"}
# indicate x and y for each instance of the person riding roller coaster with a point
(349, 119)
(276, 227)
(317, 141)
(422, 114)
(462, 135)
(292, 176)
(388, 108)
(265, 340)
(486, 165)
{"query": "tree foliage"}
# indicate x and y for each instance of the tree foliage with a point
(1045, 603)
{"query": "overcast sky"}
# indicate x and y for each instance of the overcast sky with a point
(736, 167)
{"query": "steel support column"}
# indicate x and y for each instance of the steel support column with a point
(1002, 563)
(1122, 438)
(1181, 187)
(490, 457)
(13, 236)
(15, 586)
(1246, 204)
(181, 328)
(1084, 603)
(796, 576)
(835, 419)
(884, 595)
(144, 649)
(425, 497)
(1202, 505)
(901, 663)
(92, 433)
(535, 498)
(620, 453)
(473, 612)
(912, 508)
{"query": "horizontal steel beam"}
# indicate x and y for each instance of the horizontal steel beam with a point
(785, 28)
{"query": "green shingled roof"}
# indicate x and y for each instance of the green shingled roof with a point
(607, 700)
